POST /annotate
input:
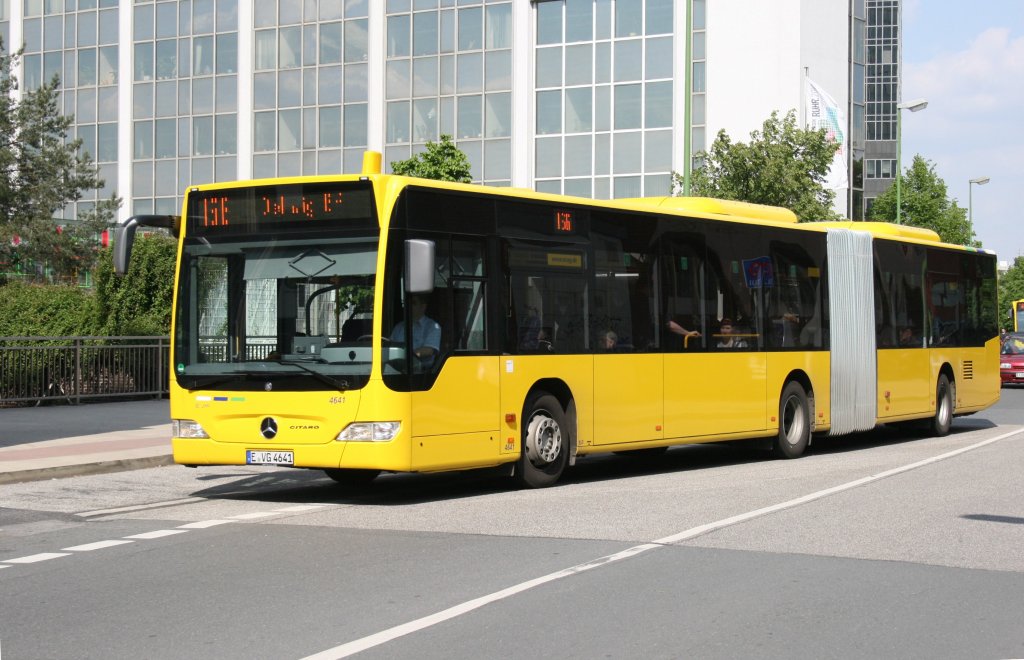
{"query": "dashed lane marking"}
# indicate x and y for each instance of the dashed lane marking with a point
(160, 533)
(203, 524)
(32, 559)
(98, 545)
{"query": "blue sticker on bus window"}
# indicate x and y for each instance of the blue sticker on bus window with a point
(759, 272)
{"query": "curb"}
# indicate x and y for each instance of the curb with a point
(100, 467)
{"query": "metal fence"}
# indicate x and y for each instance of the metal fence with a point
(70, 369)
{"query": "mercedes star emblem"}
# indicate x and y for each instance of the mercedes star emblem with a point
(268, 427)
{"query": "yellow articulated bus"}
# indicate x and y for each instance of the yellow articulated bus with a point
(370, 322)
(1017, 312)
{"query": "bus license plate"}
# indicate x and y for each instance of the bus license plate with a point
(269, 457)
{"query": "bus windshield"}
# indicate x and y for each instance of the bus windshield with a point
(276, 288)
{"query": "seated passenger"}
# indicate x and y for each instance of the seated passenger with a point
(908, 339)
(609, 340)
(726, 338)
(426, 333)
(530, 331)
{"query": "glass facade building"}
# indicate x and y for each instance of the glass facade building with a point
(597, 98)
(881, 94)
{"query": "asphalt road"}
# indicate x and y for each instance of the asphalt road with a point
(876, 545)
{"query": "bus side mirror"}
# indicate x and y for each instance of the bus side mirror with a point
(419, 266)
(124, 236)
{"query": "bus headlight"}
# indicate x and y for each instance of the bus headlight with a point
(187, 428)
(370, 432)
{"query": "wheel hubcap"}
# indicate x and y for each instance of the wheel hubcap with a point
(944, 406)
(543, 440)
(794, 422)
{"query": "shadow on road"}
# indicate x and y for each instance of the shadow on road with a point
(312, 486)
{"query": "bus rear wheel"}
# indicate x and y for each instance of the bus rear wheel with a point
(545, 442)
(943, 419)
(794, 422)
(352, 478)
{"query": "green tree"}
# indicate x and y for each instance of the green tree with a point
(442, 161)
(41, 173)
(924, 203)
(1011, 287)
(782, 165)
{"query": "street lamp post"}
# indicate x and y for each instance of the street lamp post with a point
(913, 106)
(981, 180)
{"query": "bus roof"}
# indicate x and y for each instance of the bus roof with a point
(700, 206)
(710, 205)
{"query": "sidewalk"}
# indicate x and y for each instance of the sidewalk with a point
(48, 442)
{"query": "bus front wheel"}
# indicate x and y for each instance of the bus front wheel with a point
(794, 422)
(943, 418)
(545, 442)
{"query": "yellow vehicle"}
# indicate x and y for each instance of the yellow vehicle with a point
(372, 322)
(1017, 312)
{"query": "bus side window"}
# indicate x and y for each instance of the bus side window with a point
(469, 302)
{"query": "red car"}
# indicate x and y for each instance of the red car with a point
(1011, 360)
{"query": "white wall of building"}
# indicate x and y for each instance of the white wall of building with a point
(758, 54)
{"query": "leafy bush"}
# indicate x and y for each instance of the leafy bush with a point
(44, 310)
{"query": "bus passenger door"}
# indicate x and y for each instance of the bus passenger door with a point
(627, 365)
(455, 392)
(715, 381)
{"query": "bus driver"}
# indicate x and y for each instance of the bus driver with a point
(426, 333)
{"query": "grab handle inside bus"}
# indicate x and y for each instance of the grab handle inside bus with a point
(419, 266)
(124, 236)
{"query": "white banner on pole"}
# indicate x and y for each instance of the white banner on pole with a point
(823, 112)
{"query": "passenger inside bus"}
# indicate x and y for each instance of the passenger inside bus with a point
(726, 338)
(907, 338)
(426, 332)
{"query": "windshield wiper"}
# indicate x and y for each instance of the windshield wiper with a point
(336, 383)
(206, 382)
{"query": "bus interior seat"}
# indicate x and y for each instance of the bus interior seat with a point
(354, 328)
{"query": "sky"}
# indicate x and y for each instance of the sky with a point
(967, 60)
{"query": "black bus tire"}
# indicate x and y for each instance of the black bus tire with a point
(943, 418)
(794, 422)
(545, 442)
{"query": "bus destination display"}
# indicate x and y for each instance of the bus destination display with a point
(267, 208)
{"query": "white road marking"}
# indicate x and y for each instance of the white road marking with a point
(253, 516)
(377, 639)
(298, 508)
(160, 533)
(98, 545)
(750, 515)
(384, 636)
(203, 524)
(32, 559)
